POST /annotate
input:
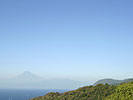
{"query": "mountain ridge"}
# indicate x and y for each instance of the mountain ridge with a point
(27, 75)
(111, 81)
(30, 80)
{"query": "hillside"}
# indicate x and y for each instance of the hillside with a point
(113, 81)
(98, 92)
(122, 92)
(108, 81)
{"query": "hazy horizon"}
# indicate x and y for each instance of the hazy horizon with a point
(69, 39)
(81, 79)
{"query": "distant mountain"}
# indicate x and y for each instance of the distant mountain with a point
(112, 81)
(30, 80)
(108, 81)
(28, 76)
(127, 80)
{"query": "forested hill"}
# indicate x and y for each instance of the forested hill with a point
(98, 92)
(113, 81)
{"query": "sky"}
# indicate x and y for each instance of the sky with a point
(74, 39)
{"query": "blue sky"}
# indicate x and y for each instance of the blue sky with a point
(77, 39)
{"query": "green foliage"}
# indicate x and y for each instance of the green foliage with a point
(98, 92)
(123, 92)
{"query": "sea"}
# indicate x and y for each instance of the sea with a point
(24, 94)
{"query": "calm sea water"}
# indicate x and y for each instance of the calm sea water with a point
(19, 94)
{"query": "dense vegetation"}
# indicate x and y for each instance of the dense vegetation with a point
(98, 92)
(122, 92)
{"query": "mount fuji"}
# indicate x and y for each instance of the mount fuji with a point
(28, 80)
